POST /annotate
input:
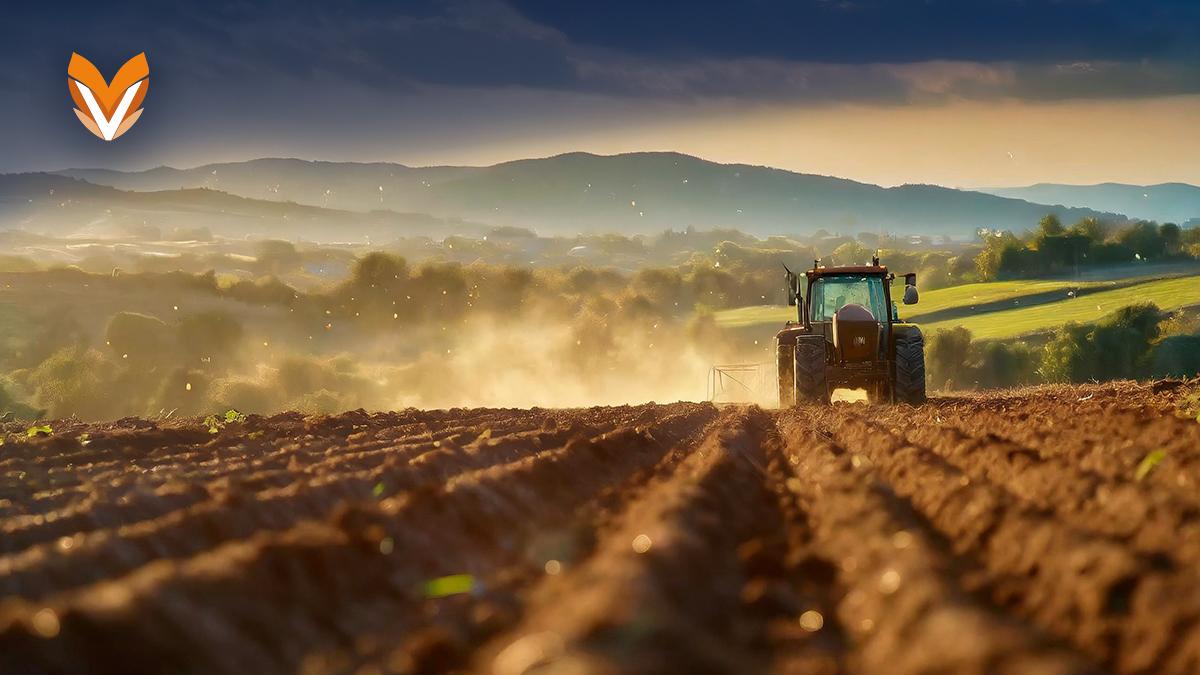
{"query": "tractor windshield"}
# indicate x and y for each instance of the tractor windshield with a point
(829, 294)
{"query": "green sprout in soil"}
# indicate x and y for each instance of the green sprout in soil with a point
(215, 423)
(35, 431)
(1148, 463)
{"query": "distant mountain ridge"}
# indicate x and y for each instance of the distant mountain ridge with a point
(628, 193)
(1166, 202)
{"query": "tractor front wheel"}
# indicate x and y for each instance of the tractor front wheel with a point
(811, 386)
(909, 386)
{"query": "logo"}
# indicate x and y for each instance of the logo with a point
(108, 109)
(860, 341)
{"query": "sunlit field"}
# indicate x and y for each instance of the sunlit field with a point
(1007, 308)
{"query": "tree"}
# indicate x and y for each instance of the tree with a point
(1092, 228)
(1050, 226)
(1171, 237)
(1144, 240)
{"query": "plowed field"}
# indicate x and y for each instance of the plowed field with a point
(1046, 530)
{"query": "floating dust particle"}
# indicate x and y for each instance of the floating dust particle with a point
(641, 543)
(812, 621)
(188, 386)
(553, 568)
(65, 543)
(45, 623)
(527, 653)
(889, 582)
(387, 545)
(902, 539)
(866, 625)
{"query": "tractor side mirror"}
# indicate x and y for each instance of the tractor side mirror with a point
(910, 289)
(793, 287)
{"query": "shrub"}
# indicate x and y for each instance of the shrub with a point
(214, 335)
(140, 339)
(947, 356)
(76, 381)
(1115, 347)
(999, 364)
(1176, 356)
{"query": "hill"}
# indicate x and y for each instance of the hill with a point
(629, 193)
(1166, 203)
(60, 205)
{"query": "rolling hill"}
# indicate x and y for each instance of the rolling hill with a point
(630, 193)
(1166, 203)
(60, 205)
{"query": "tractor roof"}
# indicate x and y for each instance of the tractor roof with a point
(847, 270)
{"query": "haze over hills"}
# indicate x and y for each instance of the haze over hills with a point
(1165, 203)
(61, 205)
(629, 193)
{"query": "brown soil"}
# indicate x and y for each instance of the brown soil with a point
(1009, 532)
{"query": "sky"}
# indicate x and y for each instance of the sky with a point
(964, 93)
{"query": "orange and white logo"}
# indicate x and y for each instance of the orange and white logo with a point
(108, 109)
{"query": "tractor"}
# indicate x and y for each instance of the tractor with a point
(848, 335)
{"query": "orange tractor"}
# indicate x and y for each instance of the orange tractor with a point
(848, 335)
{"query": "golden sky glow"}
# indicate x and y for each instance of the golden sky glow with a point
(964, 144)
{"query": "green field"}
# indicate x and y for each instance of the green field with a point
(1168, 294)
(993, 322)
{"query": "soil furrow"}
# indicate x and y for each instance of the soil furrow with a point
(472, 524)
(1120, 608)
(904, 607)
(669, 572)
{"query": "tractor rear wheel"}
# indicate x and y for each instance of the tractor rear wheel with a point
(811, 386)
(909, 386)
(785, 365)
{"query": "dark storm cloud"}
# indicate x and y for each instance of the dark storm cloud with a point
(881, 31)
(803, 49)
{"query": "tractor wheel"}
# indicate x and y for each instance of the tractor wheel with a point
(785, 364)
(909, 386)
(810, 372)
